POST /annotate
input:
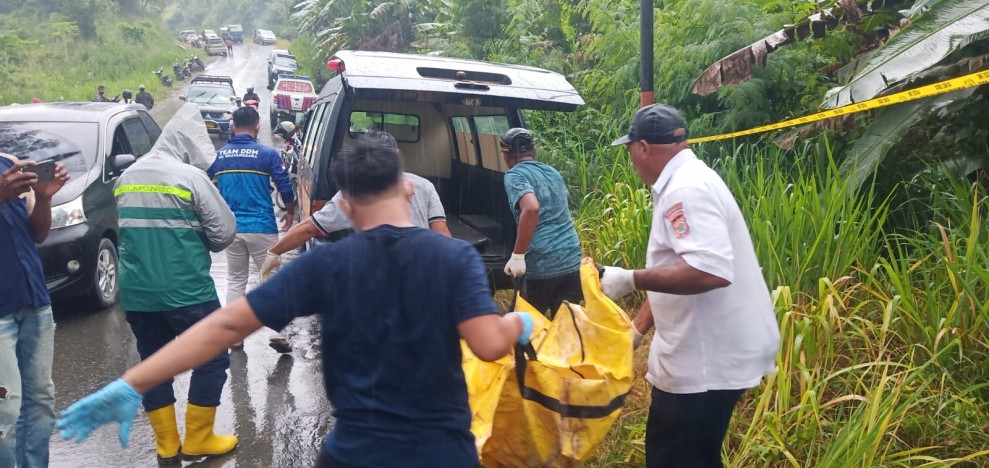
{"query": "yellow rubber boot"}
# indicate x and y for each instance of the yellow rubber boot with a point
(166, 435)
(199, 437)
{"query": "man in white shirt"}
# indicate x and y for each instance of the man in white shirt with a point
(716, 333)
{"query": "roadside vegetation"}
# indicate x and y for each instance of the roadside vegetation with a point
(57, 52)
(868, 228)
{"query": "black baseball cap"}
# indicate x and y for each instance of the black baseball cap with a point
(655, 124)
(516, 140)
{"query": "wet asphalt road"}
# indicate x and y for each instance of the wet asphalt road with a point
(274, 403)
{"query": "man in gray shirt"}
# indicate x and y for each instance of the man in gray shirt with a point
(426, 212)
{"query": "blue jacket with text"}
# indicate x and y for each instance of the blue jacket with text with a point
(243, 172)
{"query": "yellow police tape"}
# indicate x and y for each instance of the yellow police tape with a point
(947, 86)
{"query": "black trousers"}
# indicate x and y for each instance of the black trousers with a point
(547, 294)
(687, 430)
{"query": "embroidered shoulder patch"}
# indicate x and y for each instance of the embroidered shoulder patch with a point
(678, 221)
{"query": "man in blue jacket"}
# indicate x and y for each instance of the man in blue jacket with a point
(243, 171)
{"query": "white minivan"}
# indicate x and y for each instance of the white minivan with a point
(447, 116)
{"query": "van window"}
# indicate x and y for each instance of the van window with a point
(403, 127)
(465, 141)
(489, 131)
(312, 128)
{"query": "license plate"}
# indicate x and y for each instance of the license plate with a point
(210, 124)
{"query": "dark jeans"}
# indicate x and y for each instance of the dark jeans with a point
(547, 294)
(325, 460)
(154, 330)
(688, 430)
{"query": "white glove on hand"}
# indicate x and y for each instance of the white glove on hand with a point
(636, 338)
(271, 263)
(516, 266)
(617, 283)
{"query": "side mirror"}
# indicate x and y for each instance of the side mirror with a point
(182, 97)
(121, 162)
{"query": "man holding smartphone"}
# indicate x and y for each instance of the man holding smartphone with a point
(27, 329)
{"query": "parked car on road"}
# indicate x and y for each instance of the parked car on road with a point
(95, 141)
(188, 35)
(264, 37)
(216, 98)
(292, 96)
(215, 46)
(236, 33)
(278, 63)
(447, 116)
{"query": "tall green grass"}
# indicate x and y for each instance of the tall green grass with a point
(883, 358)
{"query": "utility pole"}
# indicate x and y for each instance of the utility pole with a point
(646, 96)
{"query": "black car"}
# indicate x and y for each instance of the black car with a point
(280, 62)
(95, 142)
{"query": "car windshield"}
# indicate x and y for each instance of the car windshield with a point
(71, 143)
(288, 62)
(209, 95)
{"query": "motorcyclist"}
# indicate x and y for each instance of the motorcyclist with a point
(145, 98)
(285, 130)
(101, 95)
(250, 95)
(127, 97)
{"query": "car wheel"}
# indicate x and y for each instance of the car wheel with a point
(274, 120)
(105, 280)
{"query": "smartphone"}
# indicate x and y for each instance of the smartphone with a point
(44, 169)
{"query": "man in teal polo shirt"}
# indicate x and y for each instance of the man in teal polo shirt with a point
(547, 250)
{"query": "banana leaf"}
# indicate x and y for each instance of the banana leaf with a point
(948, 25)
(885, 131)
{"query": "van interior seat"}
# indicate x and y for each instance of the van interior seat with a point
(467, 234)
(483, 224)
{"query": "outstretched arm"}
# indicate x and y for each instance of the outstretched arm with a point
(197, 346)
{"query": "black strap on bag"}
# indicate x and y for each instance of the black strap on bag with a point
(521, 351)
(524, 353)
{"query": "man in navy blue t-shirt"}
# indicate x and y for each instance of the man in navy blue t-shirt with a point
(395, 300)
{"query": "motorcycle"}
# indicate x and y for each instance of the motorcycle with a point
(255, 104)
(196, 64)
(164, 79)
(181, 72)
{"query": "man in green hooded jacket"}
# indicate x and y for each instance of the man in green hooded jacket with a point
(171, 218)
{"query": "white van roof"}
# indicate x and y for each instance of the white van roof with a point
(494, 83)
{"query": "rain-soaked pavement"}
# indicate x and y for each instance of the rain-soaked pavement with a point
(274, 403)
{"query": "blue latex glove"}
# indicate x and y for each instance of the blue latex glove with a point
(118, 402)
(526, 326)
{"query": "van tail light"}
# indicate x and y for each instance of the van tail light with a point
(307, 103)
(336, 65)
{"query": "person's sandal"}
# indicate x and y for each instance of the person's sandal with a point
(280, 345)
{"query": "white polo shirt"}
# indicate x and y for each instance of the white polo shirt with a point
(724, 339)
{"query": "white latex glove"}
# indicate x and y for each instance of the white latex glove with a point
(636, 338)
(617, 283)
(271, 263)
(516, 266)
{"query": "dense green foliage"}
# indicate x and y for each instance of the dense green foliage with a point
(60, 51)
(880, 292)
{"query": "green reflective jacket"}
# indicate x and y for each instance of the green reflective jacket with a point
(171, 217)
